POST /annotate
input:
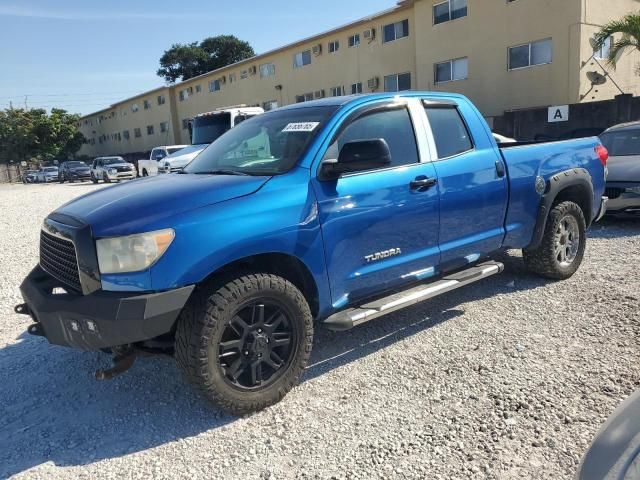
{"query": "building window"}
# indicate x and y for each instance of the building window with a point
(354, 40)
(534, 53)
(449, 10)
(452, 70)
(164, 126)
(125, 134)
(149, 129)
(137, 133)
(232, 77)
(185, 123)
(356, 88)
(305, 97)
(301, 59)
(603, 52)
(334, 46)
(214, 86)
(319, 94)
(161, 100)
(336, 91)
(270, 105)
(244, 74)
(146, 104)
(267, 70)
(183, 95)
(397, 30)
(135, 107)
(198, 88)
(397, 82)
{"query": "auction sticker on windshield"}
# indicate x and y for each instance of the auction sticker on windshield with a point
(301, 127)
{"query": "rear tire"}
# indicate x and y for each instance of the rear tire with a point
(563, 244)
(245, 342)
(94, 179)
(145, 173)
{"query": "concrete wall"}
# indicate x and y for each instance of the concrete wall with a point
(484, 37)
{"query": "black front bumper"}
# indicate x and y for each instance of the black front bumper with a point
(100, 319)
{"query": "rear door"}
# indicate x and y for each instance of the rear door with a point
(472, 182)
(380, 228)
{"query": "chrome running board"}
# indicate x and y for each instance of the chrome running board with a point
(353, 317)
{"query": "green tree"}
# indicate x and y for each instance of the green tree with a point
(628, 27)
(35, 134)
(185, 61)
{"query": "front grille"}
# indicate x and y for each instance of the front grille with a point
(123, 169)
(613, 193)
(58, 259)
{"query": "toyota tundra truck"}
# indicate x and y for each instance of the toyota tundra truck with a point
(350, 208)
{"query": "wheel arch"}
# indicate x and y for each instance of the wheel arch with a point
(571, 185)
(283, 265)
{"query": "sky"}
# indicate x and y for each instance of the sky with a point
(84, 55)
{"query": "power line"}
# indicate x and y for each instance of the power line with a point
(68, 94)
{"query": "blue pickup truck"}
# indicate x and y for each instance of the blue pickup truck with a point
(333, 212)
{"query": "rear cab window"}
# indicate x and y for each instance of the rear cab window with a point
(450, 132)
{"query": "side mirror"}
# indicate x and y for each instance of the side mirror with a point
(357, 156)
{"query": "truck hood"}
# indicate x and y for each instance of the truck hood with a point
(143, 204)
(624, 169)
(184, 156)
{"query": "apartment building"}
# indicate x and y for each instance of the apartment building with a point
(503, 54)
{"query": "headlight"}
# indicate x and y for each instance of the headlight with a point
(113, 171)
(132, 253)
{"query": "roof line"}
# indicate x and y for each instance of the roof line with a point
(401, 5)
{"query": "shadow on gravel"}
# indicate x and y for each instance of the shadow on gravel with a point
(334, 349)
(54, 411)
(616, 227)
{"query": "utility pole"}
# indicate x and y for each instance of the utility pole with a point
(26, 107)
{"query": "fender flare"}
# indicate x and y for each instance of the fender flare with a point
(557, 183)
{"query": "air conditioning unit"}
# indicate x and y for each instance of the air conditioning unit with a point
(223, 79)
(373, 83)
(370, 34)
(317, 49)
(253, 70)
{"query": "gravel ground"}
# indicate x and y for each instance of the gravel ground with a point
(508, 379)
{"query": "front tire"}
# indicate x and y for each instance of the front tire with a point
(245, 343)
(563, 244)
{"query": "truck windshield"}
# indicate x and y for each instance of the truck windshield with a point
(207, 128)
(268, 144)
(624, 143)
(112, 161)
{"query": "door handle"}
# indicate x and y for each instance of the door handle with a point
(423, 183)
(500, 168)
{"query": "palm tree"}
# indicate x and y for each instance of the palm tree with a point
(629, 27)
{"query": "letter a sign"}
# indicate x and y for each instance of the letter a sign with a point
(559, 114)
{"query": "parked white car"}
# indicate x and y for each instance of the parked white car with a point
(47, 174)
(149, 167)
(205, 129)
(112, 169)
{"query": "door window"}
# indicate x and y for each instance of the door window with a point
(394, 126)
(449, 131)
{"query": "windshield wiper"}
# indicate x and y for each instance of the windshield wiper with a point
(223, 172)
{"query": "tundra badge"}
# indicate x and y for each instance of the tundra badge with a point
(382, 255)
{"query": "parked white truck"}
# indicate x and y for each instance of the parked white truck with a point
(204, 129)
(149, 167)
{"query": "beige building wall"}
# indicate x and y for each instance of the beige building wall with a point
(484, 36)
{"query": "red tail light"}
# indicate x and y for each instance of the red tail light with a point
(603, 154)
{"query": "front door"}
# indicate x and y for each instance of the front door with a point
(380, 227)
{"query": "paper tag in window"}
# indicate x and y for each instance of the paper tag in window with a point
(301, 127)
